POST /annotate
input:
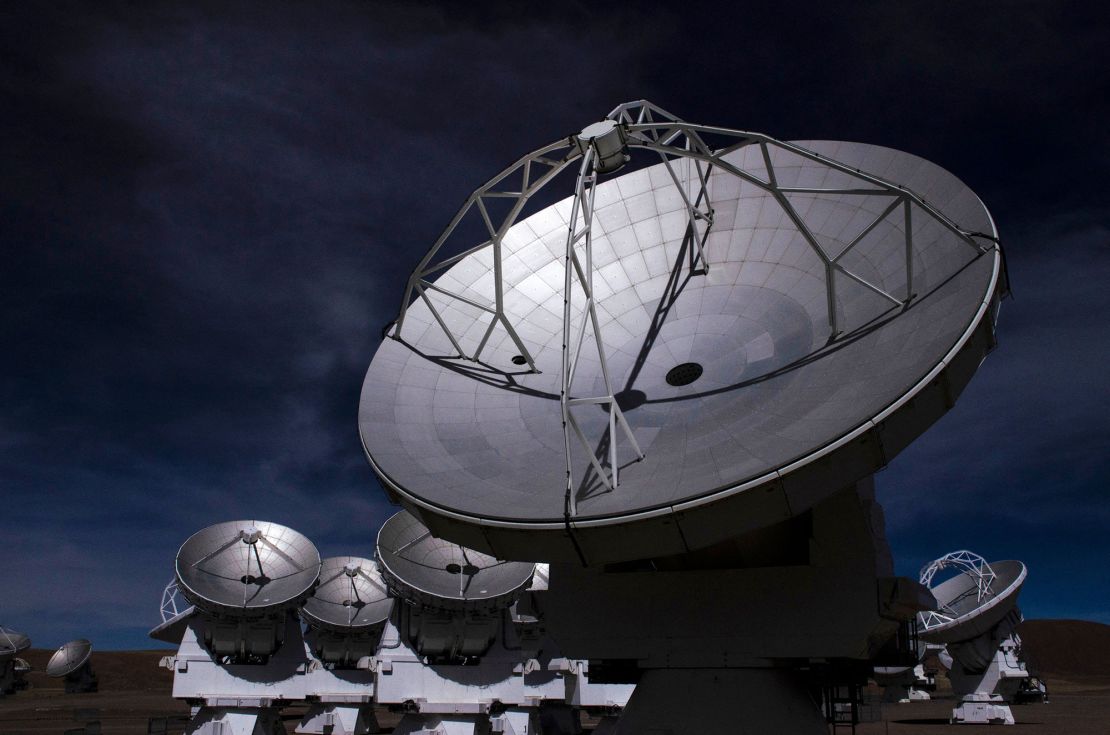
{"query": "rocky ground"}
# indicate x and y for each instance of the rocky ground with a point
(1073, 656)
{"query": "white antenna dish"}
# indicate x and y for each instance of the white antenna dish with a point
(437, 574)
(69, 658)
(679, 354)
(973, 601)
(351, 596)
(976, 618)
(247, 568)
(12, 642)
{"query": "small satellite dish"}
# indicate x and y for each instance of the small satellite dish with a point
(69, 658)
(351, 596)
(247, 568)
(972, 602)
(437, 574)
(12, 642)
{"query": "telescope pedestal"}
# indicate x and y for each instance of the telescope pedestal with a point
(236, 721)
(817, 588)
(452, 699)
(242, 699)
(332, 718)
(341, 699)
(986, 682)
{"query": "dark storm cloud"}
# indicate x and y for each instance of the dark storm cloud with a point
(208, 211)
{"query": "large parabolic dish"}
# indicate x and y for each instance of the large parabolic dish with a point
(774, 321)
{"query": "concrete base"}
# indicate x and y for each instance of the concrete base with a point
(339, 719)
(734, 701)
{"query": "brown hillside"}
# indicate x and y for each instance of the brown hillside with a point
(1067, 648)
(116, 670)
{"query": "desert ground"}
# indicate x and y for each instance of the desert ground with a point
(1072, 656)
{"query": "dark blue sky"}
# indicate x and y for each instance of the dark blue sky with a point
(208, 212)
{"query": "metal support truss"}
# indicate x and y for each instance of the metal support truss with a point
(532, 171)
(652, 128)
(647, 126)
(969, 563)
(170, 596)
(581, 236)
(698, 209)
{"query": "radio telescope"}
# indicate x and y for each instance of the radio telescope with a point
(455, 597)
(451, 648)
(975, 619)
(693, 367)
(71, 662)
(345, 615)
(241, 652)
(772, 321)
(12, 668)
(351, 598)
(466, 649)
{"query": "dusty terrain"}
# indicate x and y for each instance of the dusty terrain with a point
(1071, 655)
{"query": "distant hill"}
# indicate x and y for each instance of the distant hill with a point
(116, 670)
(1070, 649)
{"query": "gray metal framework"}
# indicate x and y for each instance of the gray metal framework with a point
(171, 596)
(648, 127)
